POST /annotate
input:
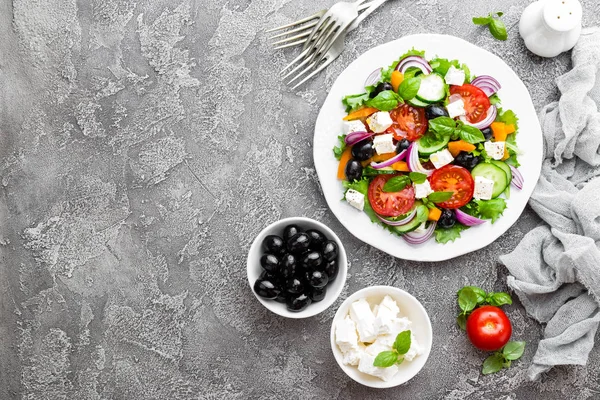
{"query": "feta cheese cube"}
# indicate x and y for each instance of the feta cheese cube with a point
(441, 158)
(382, 343)
(390, 304)
(363, 317)
(483, 188)
(495, 149)
(455, 76)
(366, 366)
(456, 109)
(356, 199)
(353, 126)
(384, 320)
(352, 356)
(422, 190)
(379, 121)
(384, 143)
(345, 334)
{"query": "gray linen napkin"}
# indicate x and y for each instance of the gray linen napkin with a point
(556, 267)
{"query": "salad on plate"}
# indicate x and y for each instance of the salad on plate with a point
(427, 149)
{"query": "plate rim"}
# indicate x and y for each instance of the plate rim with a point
(436, 256)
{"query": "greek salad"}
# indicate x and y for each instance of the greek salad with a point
(427, 149)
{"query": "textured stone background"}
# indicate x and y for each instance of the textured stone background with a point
(143, 145)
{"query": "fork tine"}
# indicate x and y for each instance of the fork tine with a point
(302, 28)
(284, 46)
(295, 60)
(316, 71)
(300, 21)
(304, 71)
(318, 30)
(306, 60)
(299, 36)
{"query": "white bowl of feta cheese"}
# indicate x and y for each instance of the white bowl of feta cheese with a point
(367, 323)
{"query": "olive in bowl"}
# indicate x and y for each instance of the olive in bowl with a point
(306, 276)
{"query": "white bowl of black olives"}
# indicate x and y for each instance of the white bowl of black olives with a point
(297, 267)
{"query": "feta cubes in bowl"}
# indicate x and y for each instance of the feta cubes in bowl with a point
(368, 323)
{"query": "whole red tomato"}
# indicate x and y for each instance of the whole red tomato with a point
(488, 328)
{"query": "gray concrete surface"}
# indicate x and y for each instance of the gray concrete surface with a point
(143, 145)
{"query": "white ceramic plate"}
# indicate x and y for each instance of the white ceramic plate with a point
(514, 95)
(421, 326)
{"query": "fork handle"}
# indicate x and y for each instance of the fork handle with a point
(373, 5)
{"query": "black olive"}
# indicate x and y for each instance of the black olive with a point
(353, 170)
(316, 238)
(298, 243)
(331, 269)
(402, 145)
(435, 110)
(447, 219)
(363, 150)
(380, 88)
(273, 244)
(294, 285)
(281, 297)
(288, 266)
(317, 294)
(265, 288)
(487, 133)
(330, 250)
(270, 263)
(298, 303)
(467, 160)
(276, 279)
(290, 231)
(317, 279)
(311, 260)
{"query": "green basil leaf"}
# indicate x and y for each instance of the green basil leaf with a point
(467, 299)
(409, 88)
(417, 177)
(471, 134)
(396, 184)
(445, 235)
(481, 20)
(339, 149)
(443, 126)
(386, 100)
(461, 320)
(498, 29)
(385, 359)
(439, 197)
(402, 342)
(493, 363)
(500, 298)
(479, 292)
(513, 350)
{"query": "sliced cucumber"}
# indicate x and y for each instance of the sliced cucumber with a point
(417, 103)
(422, 214)
(432, 89)
(491, 171)
(504, 166)
(429, 144)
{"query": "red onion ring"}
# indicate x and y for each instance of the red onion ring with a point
(389, 162)
(517, 179)
(488, 84)
(403, 221)
(416, 62)
(373, 77)
(421, 237)
(413, 160)
(466, 219)
(355, 137)
(487, 121)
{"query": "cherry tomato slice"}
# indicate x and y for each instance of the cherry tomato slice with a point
(409, 122)
(452, 178)
(488, 328)
(476, 101)
(390, 204)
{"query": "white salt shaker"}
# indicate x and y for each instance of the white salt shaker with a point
(550, 27)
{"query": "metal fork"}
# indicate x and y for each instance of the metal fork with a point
(330, 52)
(303, 30)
